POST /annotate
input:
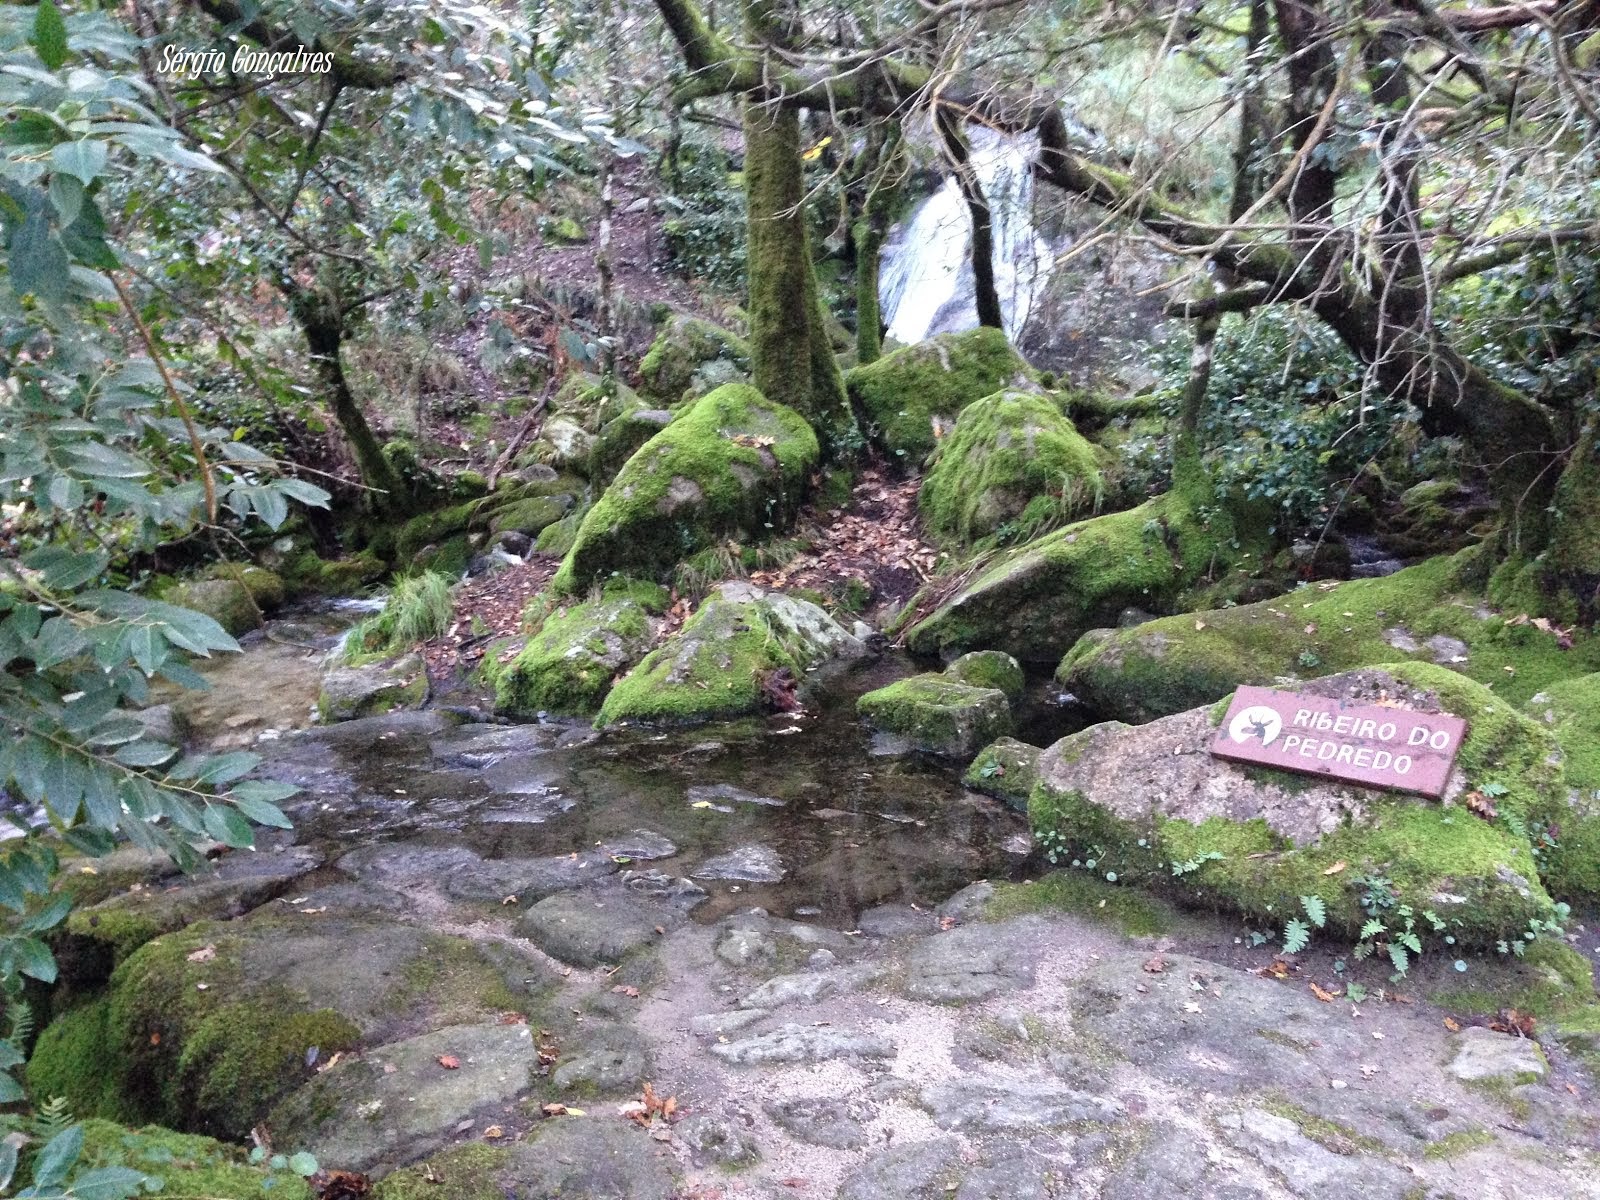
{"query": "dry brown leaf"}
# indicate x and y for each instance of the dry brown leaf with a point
(204, 954)
(1336, 868)
(1323, 994)
(1155, 965)
(623, 989)
(449, 1062)
(1480, 805)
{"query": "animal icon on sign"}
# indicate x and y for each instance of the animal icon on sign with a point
(1256, 722)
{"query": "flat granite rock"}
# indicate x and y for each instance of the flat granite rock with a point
(397, 1102)
(919, 1171)
(1308, 1169)
(821, 1120)
(1484, 1054)
(989, 1104)
(803, 1043)
(969, 963)
(596, 925)
(747, 864)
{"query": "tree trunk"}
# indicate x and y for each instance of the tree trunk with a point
(792, 359)
(871, 228)
(323, 325)
(985, 292)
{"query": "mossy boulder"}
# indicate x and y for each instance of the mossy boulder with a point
(733, 465)
(1431, 612)
(1007, 770)
(1571, 711)
(1037, 600)
(1149, 804)
(371, 689)
(621, 437)
(307, 572)
(187, 1164)
(228, 601)
(684, 346)
(728, 658)
(1436, 516)
(1012, 460)
(906, 398)
(531, 515)
(205, 1028)
(559, 538)
(989, 669)
(567, 666)
(938, 714)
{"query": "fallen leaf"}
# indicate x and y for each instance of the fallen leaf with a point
(946, 924)
(624, 990)
(794, 1181)
(1155, 965)
(1322, 994)
(1191, 1007)
(204, 954)
(553, 1110)
(1480, 805)
(493, 1132)
(1336, 868)
(449, 1062)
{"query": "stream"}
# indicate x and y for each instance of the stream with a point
(853, 826)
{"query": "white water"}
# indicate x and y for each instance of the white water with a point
(926, 287)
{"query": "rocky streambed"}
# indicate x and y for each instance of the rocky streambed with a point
(758, 958)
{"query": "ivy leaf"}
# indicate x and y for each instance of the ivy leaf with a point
(49, 36)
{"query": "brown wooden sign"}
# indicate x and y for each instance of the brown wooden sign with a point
(1392, 748)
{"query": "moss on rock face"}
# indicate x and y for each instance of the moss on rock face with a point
(226, 600)
(1426, 613)
(719, 663)
(938, 714)
(1009, 455)
(989, 669)
(187, 1164)
(621, 437)
(1571, 710)
(1007, 770)
(74, 1059)
(371, 689)
(465, 1173)
(901, 395)
(1151, 805)
(685, 345)
(1037, 600)
(734, 464)
(568, 665)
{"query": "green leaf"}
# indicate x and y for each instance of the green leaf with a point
(108, 1183)
(144, 753)
(49, 36)
(303, 1164)
(1296, 937)
(228, 827)
(49, 916)
(1370, 930)
(61, 1153)
(34, 959)
(8, 1152)
(261, 812)
(83, 160)
(38, 262)
(1399, 957)
(1315, 909)
(66, 197)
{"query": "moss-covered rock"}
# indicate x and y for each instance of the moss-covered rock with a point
(531, 515)
(725, 659)
(1571, 710)
(371, 689)
(733, 465)
(989, 669)
(228, 601)
(684, 346)
(1428, 613)
(206, 1027)
(1037, 600)
(558, 539)
(567, 666)
(187, 1164)
(1149, 804)
(1436, 516)
(1007, 770)
(307, 573)
(621, 437)
(907, 397)
(1012, 460)
(938, 714)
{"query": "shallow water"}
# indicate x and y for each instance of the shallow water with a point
(853, 826)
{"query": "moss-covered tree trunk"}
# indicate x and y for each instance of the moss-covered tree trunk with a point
(322, 323)
(792, 361)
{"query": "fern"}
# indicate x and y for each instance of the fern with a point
(52, 1118)
(1370, 930)
(1399, 957)
(1296, 936)
(1315, 909)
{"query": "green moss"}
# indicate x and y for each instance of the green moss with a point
(434, 528)
(1012, 460)
(937, 713)
(530, 516)
(450, 983)
(1037, 600)
(1453, 1145)
(733, 464)
(681, 349)
(1330, 1135)
(73, 1058)
(1176, 663)
(558, 539)
(186, 1164)
(901, 395)
(989, 669)
(466, 1173)
(122, 930)
(1007, 770)
(1130, 911)
(223, 600)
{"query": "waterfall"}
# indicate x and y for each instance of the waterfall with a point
(925, 285)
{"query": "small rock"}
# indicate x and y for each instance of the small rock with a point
(1485, 1054)
(640, 844)
(803, 1043)
(820, 1120)
(748, 864)
(720, 1139)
